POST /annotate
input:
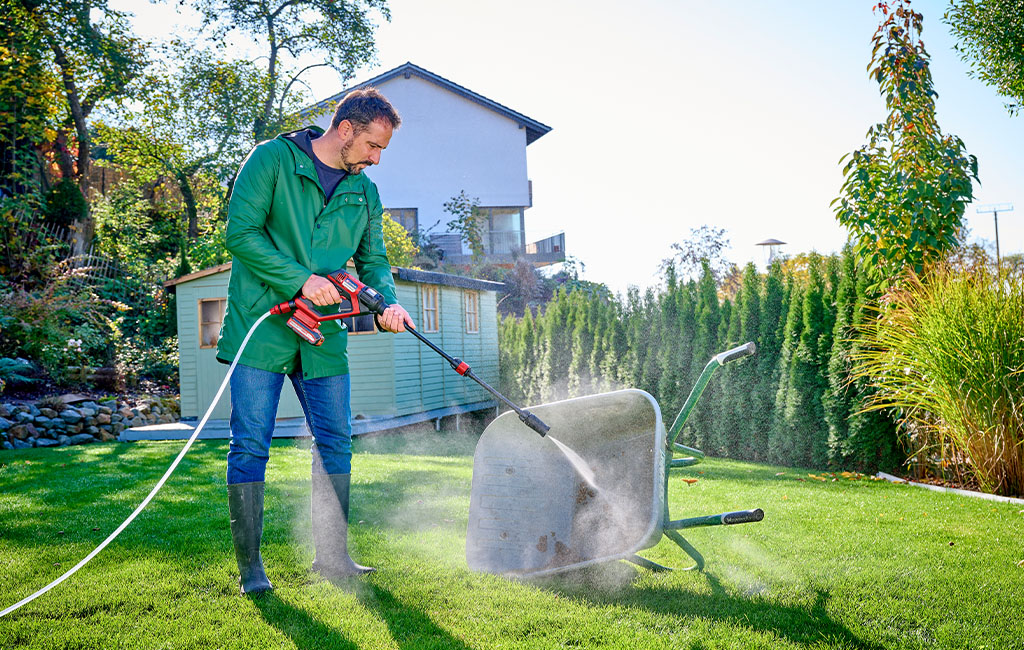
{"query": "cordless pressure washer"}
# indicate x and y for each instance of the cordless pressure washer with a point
(305, 321)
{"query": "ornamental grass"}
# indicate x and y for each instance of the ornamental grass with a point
(946, 354)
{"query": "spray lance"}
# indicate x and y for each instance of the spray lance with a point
(305, 321)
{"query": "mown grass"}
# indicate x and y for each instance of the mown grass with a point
(835, 564)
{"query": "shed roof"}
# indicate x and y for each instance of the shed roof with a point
(409, 275)
(534, 129)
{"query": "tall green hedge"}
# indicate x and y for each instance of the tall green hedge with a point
(793, 403)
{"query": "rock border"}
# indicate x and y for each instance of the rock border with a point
(81, 421)
(939, 488)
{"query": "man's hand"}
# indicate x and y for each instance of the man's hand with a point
(395, 319)
(320, 291)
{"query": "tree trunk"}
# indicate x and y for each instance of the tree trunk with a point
(190, 205)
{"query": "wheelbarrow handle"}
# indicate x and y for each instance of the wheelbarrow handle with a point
(738, 352)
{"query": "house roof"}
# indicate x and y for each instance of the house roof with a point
(409, 275)
(534, 129)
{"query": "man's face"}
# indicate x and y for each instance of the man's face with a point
(360, 150)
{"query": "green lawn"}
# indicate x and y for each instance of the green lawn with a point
(835, 564)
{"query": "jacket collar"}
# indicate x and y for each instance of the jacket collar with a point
(303, 165)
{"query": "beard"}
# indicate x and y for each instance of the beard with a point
(350, 166)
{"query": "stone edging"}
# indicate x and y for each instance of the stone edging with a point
(939, 488)
(83, 421)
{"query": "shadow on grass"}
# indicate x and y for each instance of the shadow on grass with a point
(610, 584)
(409, 627)
(304, 630)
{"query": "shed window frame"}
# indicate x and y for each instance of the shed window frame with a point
(430, 302)
(204, 324)
(471, 299)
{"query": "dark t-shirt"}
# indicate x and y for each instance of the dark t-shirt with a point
(329, 176)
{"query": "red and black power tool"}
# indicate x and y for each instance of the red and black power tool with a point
(305, 321)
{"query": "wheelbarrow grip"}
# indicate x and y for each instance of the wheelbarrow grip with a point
(744, 350)
(743, 516)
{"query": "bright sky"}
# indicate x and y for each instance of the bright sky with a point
(671, 114)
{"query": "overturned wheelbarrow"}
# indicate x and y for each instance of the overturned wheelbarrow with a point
(535, 510)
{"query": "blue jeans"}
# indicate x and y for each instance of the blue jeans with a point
(255, 395)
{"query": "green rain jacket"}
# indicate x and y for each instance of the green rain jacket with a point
(280, 231)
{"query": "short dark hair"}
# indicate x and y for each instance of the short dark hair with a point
(362, 107)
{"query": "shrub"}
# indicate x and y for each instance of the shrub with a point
(946, 353)
(65, 204)
(15, 373)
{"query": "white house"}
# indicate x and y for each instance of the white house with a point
(454, 140)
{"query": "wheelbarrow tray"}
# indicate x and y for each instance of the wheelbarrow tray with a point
(532, 513)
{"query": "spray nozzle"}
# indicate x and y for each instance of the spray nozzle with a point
(534, 422)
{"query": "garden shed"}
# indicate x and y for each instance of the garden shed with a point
(396, 380)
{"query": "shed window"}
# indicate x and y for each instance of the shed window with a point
(472, 304)
(211, 315)
(360, 324)
(431, 308)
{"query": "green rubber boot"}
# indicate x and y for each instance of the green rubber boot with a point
(245, 505)
(330, 527)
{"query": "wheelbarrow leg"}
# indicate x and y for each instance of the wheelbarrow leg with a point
(683, 544)
(647, 564)
(688, 548)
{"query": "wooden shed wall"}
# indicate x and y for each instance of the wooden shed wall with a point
(392, 375)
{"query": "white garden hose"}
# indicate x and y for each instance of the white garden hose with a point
(160, 483)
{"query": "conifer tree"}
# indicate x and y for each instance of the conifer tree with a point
(554, 364)
(771, 327)
(582, 337)
(804, 412)
(741, 377)
(649, 334)
(781, 441)
(527, 358)
(726, 419)
(668, 343)
(840, 396)
(601, 310)
(613, 372)
(705, 344)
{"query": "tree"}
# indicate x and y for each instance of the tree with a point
(192, 126)
(774, 308)
(740, 378)
(91, 49)
(706, 243)
(30, 96)
(705, 345)
(840, 400)
(781, 441)
(905, 191)
(339, 35)
(468, 222)
(804, 414)
(990, 36)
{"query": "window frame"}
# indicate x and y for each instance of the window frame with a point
(435, 290)
(219, 323)
(472, 324)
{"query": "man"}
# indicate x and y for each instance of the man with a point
(301, 208)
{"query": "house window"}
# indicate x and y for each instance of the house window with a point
(472, 304)
(502, 229)
(431, 308)
(407, 217)
(360, 324)
(211, 315)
